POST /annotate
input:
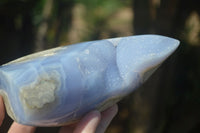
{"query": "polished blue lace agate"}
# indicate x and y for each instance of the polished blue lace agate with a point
(58, 86)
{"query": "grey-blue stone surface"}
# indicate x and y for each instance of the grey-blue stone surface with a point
(58, 86)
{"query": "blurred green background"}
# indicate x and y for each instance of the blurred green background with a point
(169, 102)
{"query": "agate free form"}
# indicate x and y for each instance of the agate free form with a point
(58, 86)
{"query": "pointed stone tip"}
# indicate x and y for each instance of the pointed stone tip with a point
(146, 37)
(176, 43)
(161, 44)
(173, 41)
(170, 44)
(140, 53)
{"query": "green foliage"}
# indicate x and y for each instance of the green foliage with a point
(98, 12)
(37, 11)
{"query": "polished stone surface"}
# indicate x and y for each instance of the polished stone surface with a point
(58, 86)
